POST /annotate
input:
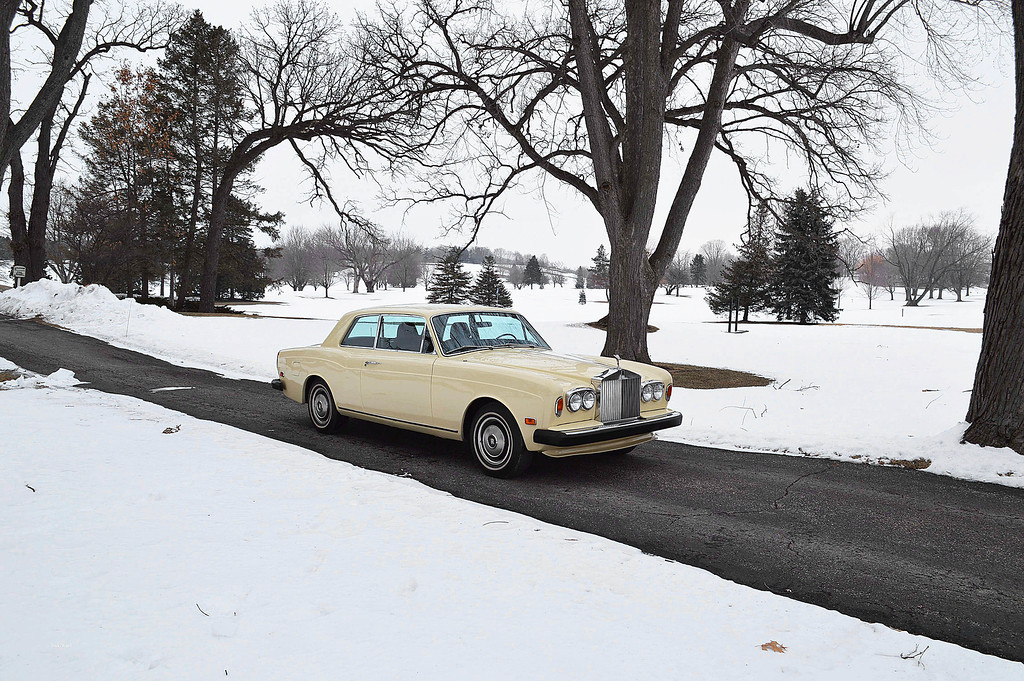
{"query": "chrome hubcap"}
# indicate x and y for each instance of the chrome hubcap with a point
(319, 406)
(492, 441)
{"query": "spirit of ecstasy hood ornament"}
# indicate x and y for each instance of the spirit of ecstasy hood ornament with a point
(618, 361)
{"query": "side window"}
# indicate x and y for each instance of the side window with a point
(362, 333)
(401, 332)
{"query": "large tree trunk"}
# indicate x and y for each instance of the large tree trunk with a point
(16, 212)
(996, 412)
(211, 264)
(39, 212)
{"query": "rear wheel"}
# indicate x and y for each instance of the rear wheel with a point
(497, 443)
(322, 411)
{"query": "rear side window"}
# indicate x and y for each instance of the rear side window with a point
(363, 332)
(401, 332)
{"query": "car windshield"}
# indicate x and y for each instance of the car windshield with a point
(465, 331)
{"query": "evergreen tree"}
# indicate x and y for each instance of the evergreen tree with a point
(583, 296)
(489, 289)
(532, 275)
(450, 283)
(699, 270)
(599, 272)
(581, 277)
(747, 280)
(806, 249)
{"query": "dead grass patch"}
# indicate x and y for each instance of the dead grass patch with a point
(8, 375)
(602, 324)
(917, 464)
(711, 378)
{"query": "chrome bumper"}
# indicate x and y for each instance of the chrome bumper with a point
(612, 431)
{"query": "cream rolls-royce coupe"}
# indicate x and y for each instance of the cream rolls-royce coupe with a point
(480, 375)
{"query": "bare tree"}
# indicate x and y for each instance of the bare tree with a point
(972, 261)
(361, 246)
(716, 257)
(678, 273)
(873, 273)
(66, 46)
(297, 265)
(111, 27)
(591, 92)
(306, 89)
(924, 255)
(324, 256)
(407, 269)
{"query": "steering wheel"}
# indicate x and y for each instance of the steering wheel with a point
(510, 335)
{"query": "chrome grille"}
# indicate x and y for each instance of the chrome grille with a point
(620, 397)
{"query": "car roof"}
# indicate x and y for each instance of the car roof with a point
(428, 310)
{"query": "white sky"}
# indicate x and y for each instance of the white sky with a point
(964, 167)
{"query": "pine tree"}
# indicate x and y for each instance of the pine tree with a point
(532, 275)
(747, 280)
(806, 249)
(489, 289)
(699, 270)
(581, 277)
(450, 283)
(599, 272)
(583, 296)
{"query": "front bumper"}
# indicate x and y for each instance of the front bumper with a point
(612, 431)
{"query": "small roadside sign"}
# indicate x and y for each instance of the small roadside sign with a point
(18, 271)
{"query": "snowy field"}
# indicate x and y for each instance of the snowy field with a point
(870, 388)
(148, 544)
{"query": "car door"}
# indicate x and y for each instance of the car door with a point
(395, 381)
(349, 359)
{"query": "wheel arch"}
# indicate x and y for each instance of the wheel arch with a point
(473, 407)
(307, 385)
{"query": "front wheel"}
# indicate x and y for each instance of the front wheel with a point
(322, 411)
(497, 443)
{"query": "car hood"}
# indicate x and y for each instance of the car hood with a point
(574, 368)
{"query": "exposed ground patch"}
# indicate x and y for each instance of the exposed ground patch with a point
(602, 324)
(710, 378)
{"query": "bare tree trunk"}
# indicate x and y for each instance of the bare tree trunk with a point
(39, 212)
(16, 212)
(996, 412)
(218, 216)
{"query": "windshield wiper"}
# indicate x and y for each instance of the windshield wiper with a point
(467, 348)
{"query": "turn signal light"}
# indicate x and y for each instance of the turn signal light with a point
(559, 406)
(668, 392)
(530, 422)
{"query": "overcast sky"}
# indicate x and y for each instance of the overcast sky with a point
(964, 167)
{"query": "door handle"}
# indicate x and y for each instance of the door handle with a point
(366, 364)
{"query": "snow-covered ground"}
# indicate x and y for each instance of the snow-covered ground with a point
(140, 542)
(868, 389)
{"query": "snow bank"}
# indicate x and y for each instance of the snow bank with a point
(148, 543)
(61, 378)
(241, 347)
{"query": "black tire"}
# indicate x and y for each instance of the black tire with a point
(323, 413)
(496, 442)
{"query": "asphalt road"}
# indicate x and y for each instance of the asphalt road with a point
(919, 552)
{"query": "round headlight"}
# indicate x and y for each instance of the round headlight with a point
(589, 399)
(575, 402)
(647, 393)
(659, 390)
